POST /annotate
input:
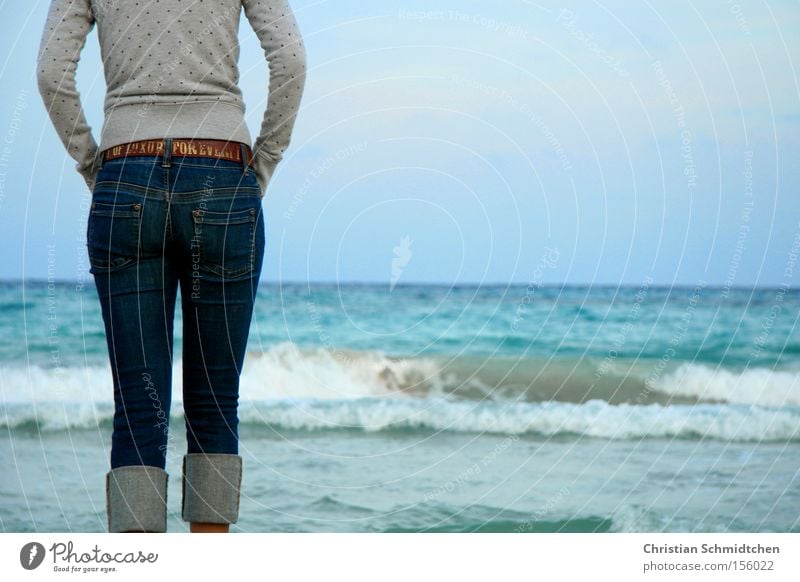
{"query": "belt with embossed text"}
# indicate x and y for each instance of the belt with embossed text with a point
(186, 147)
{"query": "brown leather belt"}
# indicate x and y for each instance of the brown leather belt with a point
(185, 147)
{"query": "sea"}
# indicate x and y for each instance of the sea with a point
(438, 408)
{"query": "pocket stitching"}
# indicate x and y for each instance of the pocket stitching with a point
(215, 218)
(223, 218)
(112, 210)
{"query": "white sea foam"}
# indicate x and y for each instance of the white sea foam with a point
(288, 388)
(285, 371)
(595, 418)
(761, 386)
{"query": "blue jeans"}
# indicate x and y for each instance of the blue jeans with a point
(157, 224)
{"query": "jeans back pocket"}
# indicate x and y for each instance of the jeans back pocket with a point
(113, 234)
(224, 243)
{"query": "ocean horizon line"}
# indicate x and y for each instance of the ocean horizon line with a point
(463, 284)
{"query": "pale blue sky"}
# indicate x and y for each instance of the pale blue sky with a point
(485, 133)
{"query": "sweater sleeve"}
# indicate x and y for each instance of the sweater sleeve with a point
(66, 28)
(274, 23)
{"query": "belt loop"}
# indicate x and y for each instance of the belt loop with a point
(243, 147)
(167, 152)
(100, 159)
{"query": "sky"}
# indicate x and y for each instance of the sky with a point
(583, 142)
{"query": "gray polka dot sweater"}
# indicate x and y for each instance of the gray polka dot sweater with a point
(171, 71)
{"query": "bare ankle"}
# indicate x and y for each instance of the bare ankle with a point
(199, 527)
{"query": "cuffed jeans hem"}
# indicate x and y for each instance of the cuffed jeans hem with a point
(136, 499)
(211, 487)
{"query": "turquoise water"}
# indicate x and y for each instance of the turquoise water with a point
(733, 328)
(436, 408)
